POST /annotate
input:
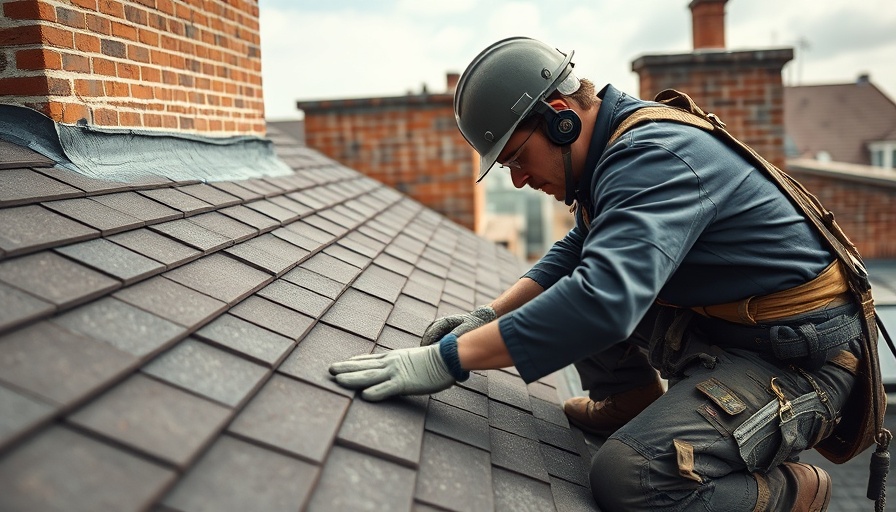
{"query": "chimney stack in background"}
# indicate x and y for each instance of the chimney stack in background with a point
(744, 87)
(451, 82)
(152, 64)
(708, 19)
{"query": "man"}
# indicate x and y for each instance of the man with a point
(760, 347)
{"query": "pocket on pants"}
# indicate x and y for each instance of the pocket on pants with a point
(768, 437)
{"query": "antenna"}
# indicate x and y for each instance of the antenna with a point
(803, 45)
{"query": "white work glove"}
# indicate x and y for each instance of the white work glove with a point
(408, 371)
(457, 324)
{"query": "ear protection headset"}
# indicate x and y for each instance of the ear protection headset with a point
(563, 126)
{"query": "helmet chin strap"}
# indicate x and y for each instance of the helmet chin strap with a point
(566, 150)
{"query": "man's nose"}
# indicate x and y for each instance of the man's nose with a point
(519, 177)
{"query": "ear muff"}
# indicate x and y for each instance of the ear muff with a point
(564, 126)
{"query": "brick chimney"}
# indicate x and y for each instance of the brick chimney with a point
(173, 65)
(451, 80)
(744, 88)
(708, 20)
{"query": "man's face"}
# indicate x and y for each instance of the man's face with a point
(534, 161)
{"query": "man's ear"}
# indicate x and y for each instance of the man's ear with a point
(563, 123)
(559, 104)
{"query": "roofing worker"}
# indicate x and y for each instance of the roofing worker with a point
(667, 214)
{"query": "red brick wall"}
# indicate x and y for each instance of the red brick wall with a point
(743, 88)
(865, 211)
(177, 65)
(412, 146)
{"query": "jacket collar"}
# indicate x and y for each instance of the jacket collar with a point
(615, 106)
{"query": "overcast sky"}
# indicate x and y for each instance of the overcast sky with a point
(320, 49)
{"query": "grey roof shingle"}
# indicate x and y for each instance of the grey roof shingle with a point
(249, 340)
(94, 214)
(179, 427)
(165, 345)
(58, 365)
(114, 260)
(238, 475)
(79, 473)
(158, 247)
(292, 416)
(55, 279)
(26, 229)
(22, 186)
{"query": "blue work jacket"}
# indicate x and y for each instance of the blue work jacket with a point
(676, 215)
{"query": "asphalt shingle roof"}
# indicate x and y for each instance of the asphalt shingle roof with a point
(164, 345)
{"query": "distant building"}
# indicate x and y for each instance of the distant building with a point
(542, 220)
(851, 123)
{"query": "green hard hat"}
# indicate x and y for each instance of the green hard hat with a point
(502, 86)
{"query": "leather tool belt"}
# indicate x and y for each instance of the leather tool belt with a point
(829, 288)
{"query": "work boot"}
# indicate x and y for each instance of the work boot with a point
(606, 416)
(812, 486)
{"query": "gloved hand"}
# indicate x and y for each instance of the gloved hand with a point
(457, 324)
(409, 371)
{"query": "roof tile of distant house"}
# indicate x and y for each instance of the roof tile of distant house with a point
(839, 119)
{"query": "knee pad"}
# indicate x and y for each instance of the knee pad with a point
(616, 479)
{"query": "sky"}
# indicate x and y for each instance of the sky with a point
(336, 49)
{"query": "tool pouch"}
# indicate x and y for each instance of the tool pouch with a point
(672, 349)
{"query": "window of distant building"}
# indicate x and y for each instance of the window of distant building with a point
(883, 154)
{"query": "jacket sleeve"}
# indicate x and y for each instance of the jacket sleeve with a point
(649, 209)
(561, 259)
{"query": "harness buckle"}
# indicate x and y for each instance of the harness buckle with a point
(714, 119)
(785, 409)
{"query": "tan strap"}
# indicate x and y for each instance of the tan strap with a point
(643, 115)
(847, 361)
(827, 287)
(764, 495)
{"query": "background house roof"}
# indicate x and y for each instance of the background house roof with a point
(164, 345)
(840, 119)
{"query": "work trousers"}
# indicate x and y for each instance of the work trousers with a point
(733, 413)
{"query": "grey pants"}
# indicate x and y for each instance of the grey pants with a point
(728, 416)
